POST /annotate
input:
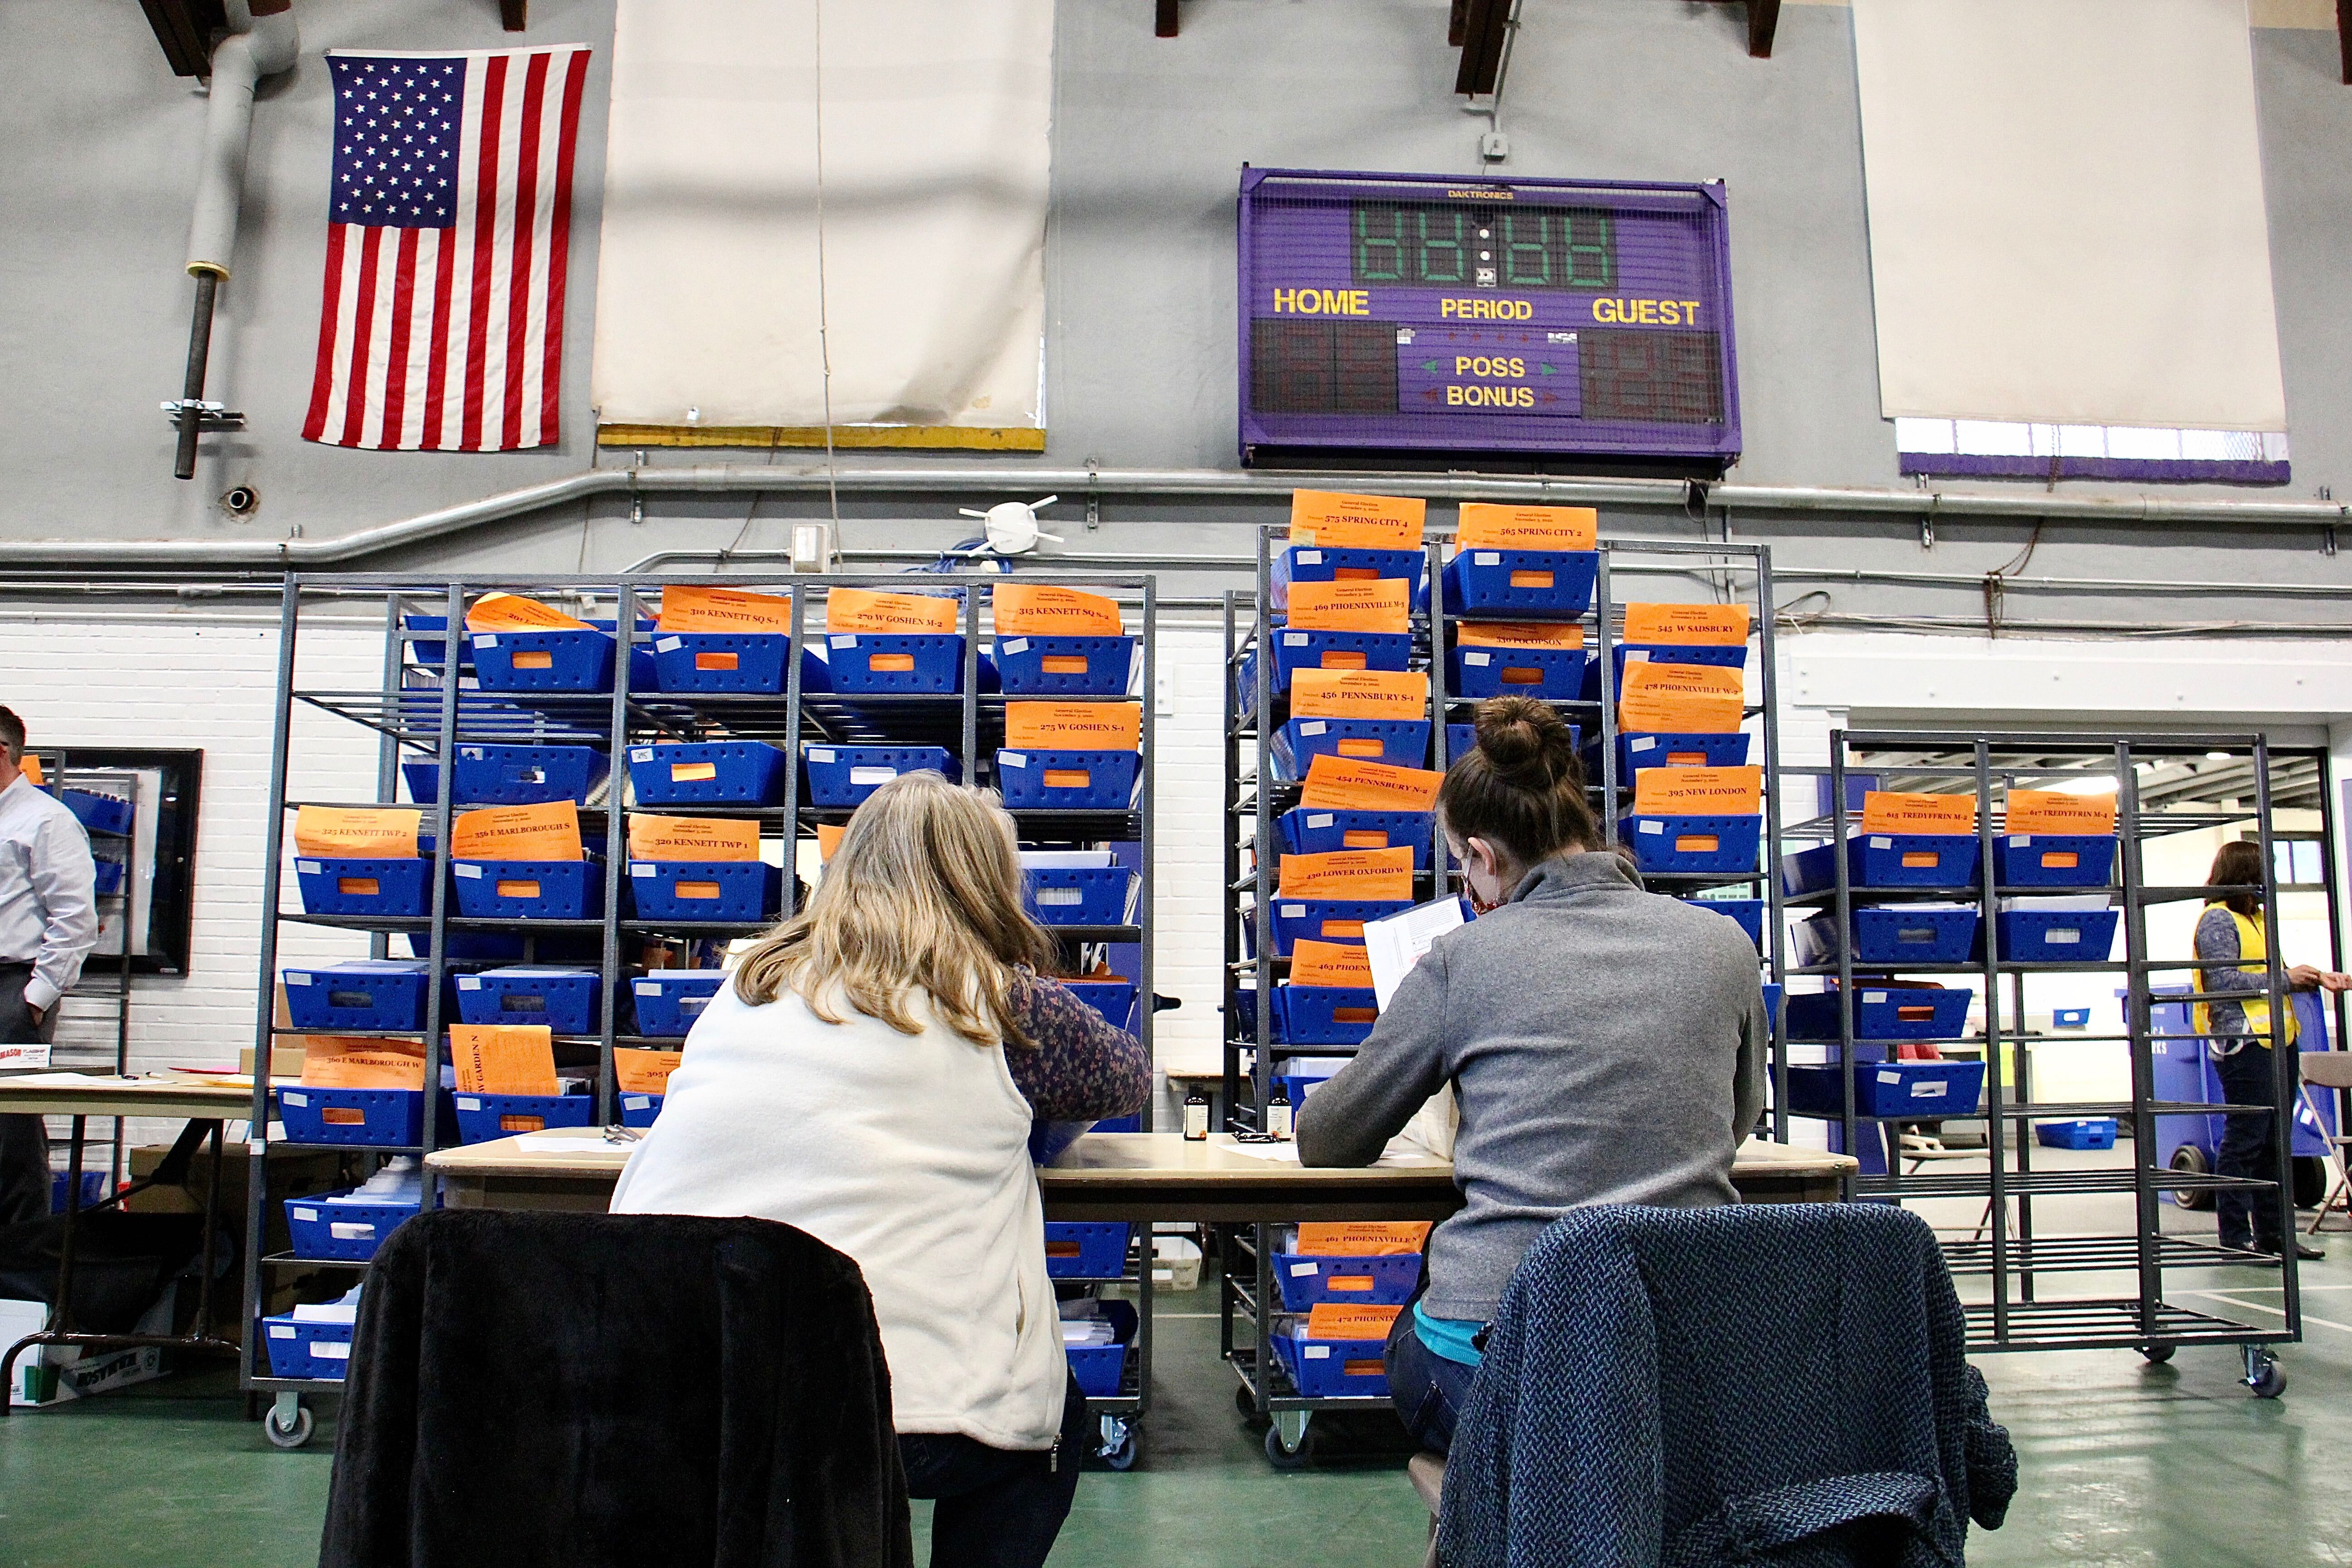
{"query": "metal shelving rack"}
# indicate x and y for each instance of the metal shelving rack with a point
(422, 711)
(1254, 801)
(2005, 1251)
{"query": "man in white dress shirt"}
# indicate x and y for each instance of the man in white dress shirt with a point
(48, 923)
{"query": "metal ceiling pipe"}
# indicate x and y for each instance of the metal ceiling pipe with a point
(262, 40)
(965, 480)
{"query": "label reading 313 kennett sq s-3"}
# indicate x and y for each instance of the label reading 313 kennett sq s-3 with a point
(1400, 314)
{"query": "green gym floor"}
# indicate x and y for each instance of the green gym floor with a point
(2122, 1463)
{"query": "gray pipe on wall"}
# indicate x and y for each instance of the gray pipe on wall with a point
(262, 40)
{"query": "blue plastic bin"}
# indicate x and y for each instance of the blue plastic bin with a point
(2052, 860)
(1886, 860)
(1101, 1368)
(1069, 781)
(1065, 666)
(106, 877)
(2070, 1018)
(93, 1189)
(877, 663)
(529, 890)
(1635, 752)
(1297, 1086)
(511, 775)
(686, 662)
(2056, 936)
(1086, 1249)
(1328, 920)
(1080, 895)
(1296, 648)
(709, 773)
(1114, 999)
(1929, 1090)
(385, 889)
(1399, 742)
(2090, 1132)
(387, 1118)
(358, 994)
(1324, 1014)
(1556, 674)
(1692, 844)
(561, 660)
(347, 1232)
(1721, 656)
(1384, 1279)
(430, 651)
(841, 778)
(320, 1351)
(640, 1109)
(1906, 933)
(668, 1001)
(1334, 1369)
(100, 813)
(1520, 585)
(1883, 1012)
(564, 999)
(1324, 830)
(487, 1118)
(1747, 913)
(739, 891)
(1339, 563)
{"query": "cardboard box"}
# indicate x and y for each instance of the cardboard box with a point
(64, 1372)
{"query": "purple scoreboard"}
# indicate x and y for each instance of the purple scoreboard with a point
(1406, 320)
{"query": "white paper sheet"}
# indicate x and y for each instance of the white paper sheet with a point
(1395, 945)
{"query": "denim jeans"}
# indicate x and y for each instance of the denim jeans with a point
(996, 1509)
(1428, 1389)
(2248, 1218)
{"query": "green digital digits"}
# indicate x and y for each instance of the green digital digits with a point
(1371, 247)
(1447, 218)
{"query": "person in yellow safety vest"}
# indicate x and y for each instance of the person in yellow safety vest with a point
(2234, 950)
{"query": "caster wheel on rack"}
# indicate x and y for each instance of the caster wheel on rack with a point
(2264, 1373)
(1285, 1456)
(2156, 1355)
(1119, 1444)
(1246, 1402)
(2190, 1160)
(286, 1432)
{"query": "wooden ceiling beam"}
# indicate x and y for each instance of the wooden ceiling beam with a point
(1163, 18)
(1485, 25)
(514, 15)
(185, 29)
(1764, 20)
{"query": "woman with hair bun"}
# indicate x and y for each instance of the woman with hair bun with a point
(1605, 1044)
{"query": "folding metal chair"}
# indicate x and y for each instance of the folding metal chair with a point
(2329, 1070)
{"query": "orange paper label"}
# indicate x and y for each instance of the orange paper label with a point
(1328, 963)
(1344, 1320)
(691, 607)
(2057, 810)
(1896, 811)
(33, 768)
(1490, 527)
(513, 612)
(1699, 791)
(1519, 634)
(1074, 726)
(1680, 699)
(1357, 605)
(1041, 609)
(692, 839)
(1343, 783)
(1356, 522)
(549, 831)
(1348, 874)
(1686, 626)
(863, 610)
(1361, 1237)
(1359, 694)
(828, 839)
(381, 833)
(503, 1059)
(638, 1071)
(341, 1061)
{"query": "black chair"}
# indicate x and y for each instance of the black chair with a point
(584, 1390)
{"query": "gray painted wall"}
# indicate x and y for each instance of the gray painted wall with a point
(1150, 135)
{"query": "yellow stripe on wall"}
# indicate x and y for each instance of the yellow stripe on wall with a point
(925, 437)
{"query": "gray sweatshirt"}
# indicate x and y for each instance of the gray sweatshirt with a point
(1605, 1044)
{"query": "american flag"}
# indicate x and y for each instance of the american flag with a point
(449, 217)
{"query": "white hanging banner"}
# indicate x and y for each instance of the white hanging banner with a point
(937, 116)
(2067, 213)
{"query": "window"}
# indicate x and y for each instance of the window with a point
(1989, 448)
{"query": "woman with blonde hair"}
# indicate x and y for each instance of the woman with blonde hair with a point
(871, 1077)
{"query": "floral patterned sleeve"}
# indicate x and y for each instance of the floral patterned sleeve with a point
(1081, 1069)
